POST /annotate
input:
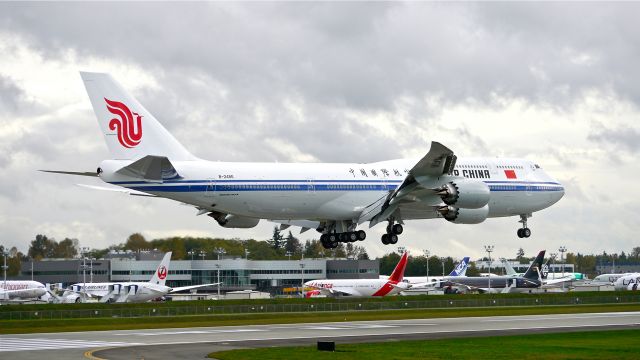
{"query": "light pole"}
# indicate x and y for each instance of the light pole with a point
(246, 253)
(202, 254)
(426, 255)
(5, 254)
(83, 252)
(562, 250)
(91, 269)
(443, 259)
(218, 268)
(302, 276)
(288, 254)
(489, 250)
(191, 252)
(219, 251)
(31, 269)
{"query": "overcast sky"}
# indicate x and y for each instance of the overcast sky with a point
(558, 83)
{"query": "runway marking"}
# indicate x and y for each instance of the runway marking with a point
(348, 327)
(220, 331)
(543, 318)
(8, 344)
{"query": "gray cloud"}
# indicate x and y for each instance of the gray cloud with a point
(322, 76)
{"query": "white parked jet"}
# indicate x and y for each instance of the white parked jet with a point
(333, 198)
(22, 290)
(362, 287)
(630, 281)
(134, 291)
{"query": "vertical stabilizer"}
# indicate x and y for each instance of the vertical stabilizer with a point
(461, 268)
(160, 276)
(131, 132)
(534, 271)
(398, 272)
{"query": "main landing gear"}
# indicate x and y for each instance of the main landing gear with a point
(393, 230)
(524, 232)
(331, 240)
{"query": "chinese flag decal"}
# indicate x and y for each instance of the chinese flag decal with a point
(511, 174)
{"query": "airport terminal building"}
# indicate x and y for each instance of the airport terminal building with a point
(273, 276)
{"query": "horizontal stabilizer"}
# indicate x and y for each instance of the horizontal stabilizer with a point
(80, 173)
(151, 168)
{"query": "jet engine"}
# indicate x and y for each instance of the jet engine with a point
(234, 221)
(464, 216)
(463, 193)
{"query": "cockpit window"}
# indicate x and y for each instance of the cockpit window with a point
(537, 166)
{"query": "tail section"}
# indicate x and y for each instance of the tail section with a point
(130, 131)
(508, 268)
(160, 276)
(398, 273)
(534, 271)
(461, 268)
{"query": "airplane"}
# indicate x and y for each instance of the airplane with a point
(629, 281)
(532, 278)
(459, 270)
(332, 198)
(551, 276)
(23, 289)
(608, 278)
(129, 291)
(362, 287)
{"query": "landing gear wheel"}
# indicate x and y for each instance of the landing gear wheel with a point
(397, 229)
(526, 232)
(352, 236)
(361, 235)
(324, 240)
(393, 238)
(333, 238)
(520, 235)
(333, 245)
(385, 239)
(342, 237)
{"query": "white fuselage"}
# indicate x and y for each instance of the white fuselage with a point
(144, 291)
(360, 287)
(19, 289)
(630, 281)
(328, 191)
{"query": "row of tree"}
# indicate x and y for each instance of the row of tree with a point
(280, 247)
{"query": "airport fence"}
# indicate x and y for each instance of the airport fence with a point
(133, 312)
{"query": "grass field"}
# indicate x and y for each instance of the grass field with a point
(618, 344)
(93, 324)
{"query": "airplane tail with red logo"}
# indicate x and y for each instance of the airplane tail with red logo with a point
(398, 272)
(160, 276)
(131, 132)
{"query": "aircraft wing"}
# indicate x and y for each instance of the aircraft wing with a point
(416, 197)
(303, 224)
(183, 288)
(557, 281)
(114, 189)
(332, 291)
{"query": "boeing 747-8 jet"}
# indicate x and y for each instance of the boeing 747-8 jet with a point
(332, 198)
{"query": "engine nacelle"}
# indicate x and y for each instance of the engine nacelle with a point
(464, 193)
(464, 216)
(235, 221)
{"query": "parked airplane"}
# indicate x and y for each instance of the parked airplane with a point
(130, 291)
(459, 270)
(362, 287)
(629, 281)
(333, 198)
(533, 278)
(22, 290)
(608, 278)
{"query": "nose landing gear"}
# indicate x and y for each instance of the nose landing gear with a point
(524, 232)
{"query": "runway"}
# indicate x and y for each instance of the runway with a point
(197, 342)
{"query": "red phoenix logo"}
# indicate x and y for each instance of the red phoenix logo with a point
(129, 131)
(162, 272)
